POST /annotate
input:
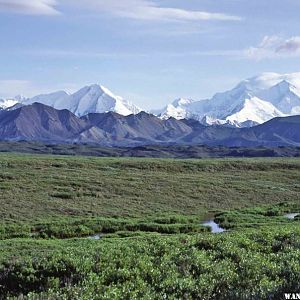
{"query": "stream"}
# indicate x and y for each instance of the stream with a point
(291, 216)
(96, 236)
(215, 228)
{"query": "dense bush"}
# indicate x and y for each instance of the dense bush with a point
(253, 264)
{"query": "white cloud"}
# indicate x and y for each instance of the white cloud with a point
(29, 7)
(149, 10)
(291, 46)
(133, 9)
(275, 47)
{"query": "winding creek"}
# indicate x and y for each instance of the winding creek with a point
(215, 228)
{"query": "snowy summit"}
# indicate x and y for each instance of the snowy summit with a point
(90, 99)
(253, 101)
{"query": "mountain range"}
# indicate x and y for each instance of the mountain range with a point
(263, 110)
(39, 122)
(252, 102)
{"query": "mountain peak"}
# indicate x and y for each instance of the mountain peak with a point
(94, 88)
(98, 88)
(93, 98)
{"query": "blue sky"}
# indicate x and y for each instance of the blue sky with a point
(148, 51)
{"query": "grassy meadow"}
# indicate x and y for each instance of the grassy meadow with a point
(46, 187)
(149, 212)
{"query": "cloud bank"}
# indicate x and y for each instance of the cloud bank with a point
(150, 10)
(29, 7)
(275, 47)
(132, 9)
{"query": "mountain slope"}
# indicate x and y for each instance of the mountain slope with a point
(255, 110)
(142, 127)
(39, 122)
(285, 96)
(276, 132)
(279, 130)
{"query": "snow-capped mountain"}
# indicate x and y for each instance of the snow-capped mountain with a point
(253, 101)
(90, 99)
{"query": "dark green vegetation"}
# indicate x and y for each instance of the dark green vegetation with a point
(175, 151)
(250, 264)
(150, 212)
